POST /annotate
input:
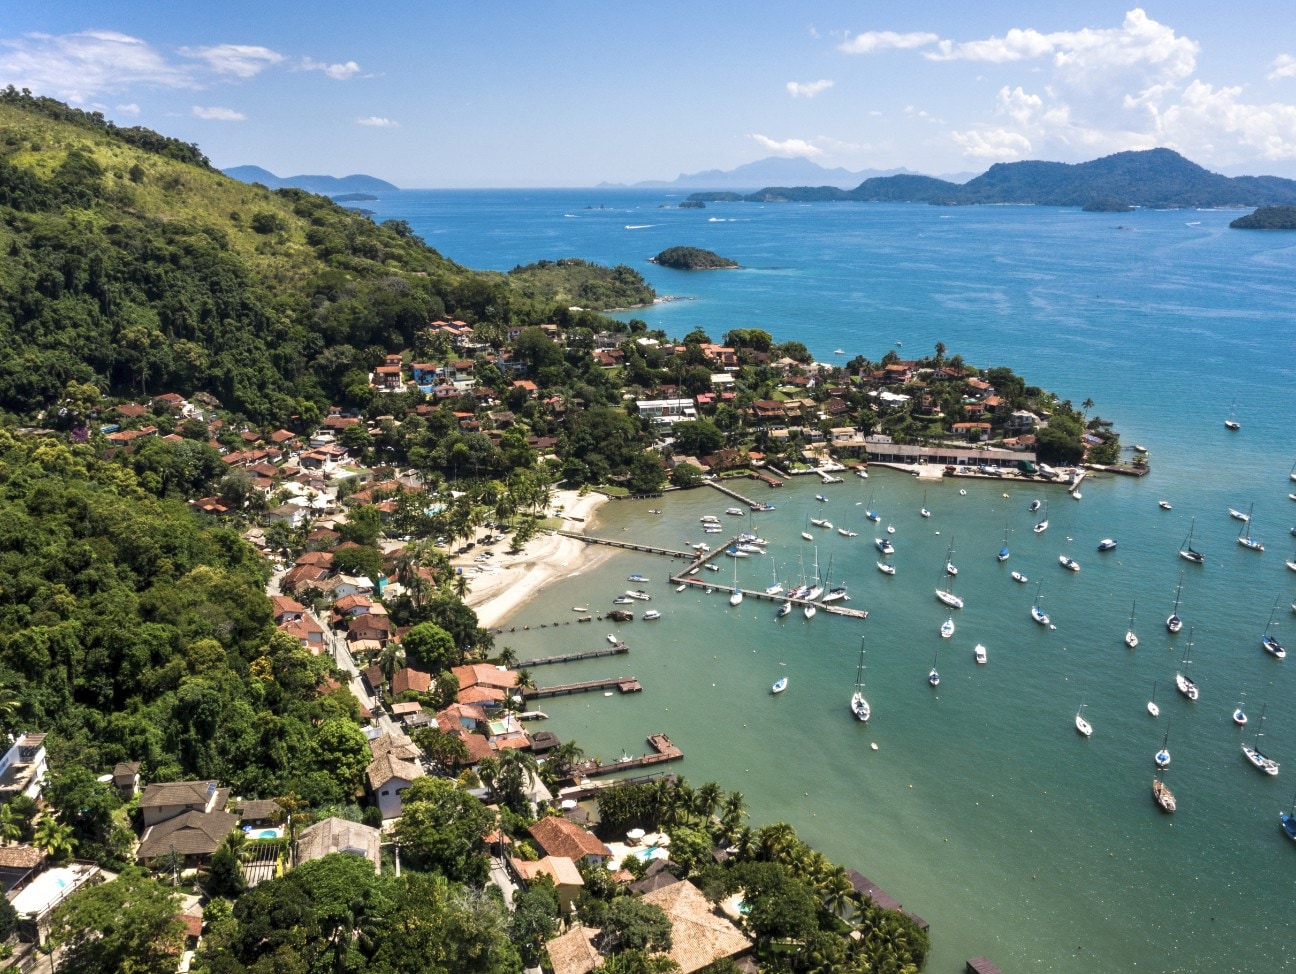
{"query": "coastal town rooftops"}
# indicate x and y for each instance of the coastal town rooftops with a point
(481, 674)
(559, 837)
(191, 834)
(193, 794)
(560, 869)
(699, 934)
(339, 835)
(573, 952)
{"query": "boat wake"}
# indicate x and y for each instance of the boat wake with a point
(639, 226)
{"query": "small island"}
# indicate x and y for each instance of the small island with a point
(1107, 204)
(1267, 218)
(355, 198)
(692, 259)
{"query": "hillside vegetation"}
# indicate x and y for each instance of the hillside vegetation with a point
(131, 264)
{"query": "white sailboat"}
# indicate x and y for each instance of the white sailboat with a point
(1042, 525)
(1082, 725)
(858, 705)
(1131, 640)
(926, 513)
(869, 513)
(1038, 614)
(947, 628)
(1187, 551)
(1270, 642)
(776, 586)
(1252, 751)
(886, 569)
(735, 594)
(1162, 757)
(1173, 622)
(1152, 707)
(1231, 423)
(933, 677)
(1003, 552)
(1246, 539)
(1183, 682)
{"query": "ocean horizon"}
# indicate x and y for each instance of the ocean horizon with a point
(982, 808)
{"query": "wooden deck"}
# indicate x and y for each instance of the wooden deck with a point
(620, 649)
(624, 684)
(982, 965)
(662, 750)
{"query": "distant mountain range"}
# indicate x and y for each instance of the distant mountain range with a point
(773, 171)
(324, 185)
(1158, 178)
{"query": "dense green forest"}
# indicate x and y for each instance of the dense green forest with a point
(692, 259)
(132, 265)
(1267, 218)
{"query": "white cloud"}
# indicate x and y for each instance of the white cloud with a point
(240, 60)
(1207, 115)
(884, 40)
(214, 114)
(338, 72)
(79, 66)
(807, 89)
(994, 145)
(377, 121)
(1284, 66)
(128, 109)
(789, 147)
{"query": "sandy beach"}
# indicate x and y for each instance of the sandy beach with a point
(516, 579)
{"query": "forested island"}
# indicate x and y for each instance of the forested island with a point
(1159, 178)
(211, 384)
(1267, 218)
(692, 259)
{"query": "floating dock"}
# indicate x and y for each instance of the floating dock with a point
(624, 684)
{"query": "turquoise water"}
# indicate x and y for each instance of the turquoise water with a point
(982, 809)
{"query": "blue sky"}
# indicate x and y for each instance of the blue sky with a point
(459, 94)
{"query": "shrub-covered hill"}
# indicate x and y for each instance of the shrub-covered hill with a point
(132, 264)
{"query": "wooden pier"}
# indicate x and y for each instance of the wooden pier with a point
(662, 750)
(624, 684)
(620, 649)
(764, 478)
(628, 545)
(754, 505)
(982, 965)
(832, 608)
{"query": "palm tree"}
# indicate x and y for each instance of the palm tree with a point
(565, 757)
(391, 659)
(461, 585)
(732, 811)
(707, 799)
(11, 824)
(775, 841)
(517, 769)
(488, 771)
(836, 892)
(54, 838)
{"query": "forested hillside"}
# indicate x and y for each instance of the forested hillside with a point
(133, 265)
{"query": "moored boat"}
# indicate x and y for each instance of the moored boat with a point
(1173, 622)
(885, 568)
(1183, 682)
(1106, 544)
(637, 578)
(947, 628)
(779, 685)
(1068, 563)
(1082, 725)
(884, 546)
(1187, 551)
(1252, 751)
(1162, 795)
(979, 653)
(650, 615)
(1164, 505)
(1131, 640)
(1162, 757)
(858, 705)
(1246, 539)
(1270, 642)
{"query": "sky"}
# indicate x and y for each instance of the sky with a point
(460, 94)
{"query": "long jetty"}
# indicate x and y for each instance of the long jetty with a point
(625, 684)
(662, 751)
(620, 649)
(754, 505)
(628, 545)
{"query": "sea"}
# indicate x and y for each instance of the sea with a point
(976, 804)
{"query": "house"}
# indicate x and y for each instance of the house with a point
(661, 412)
(286, 609)
(306, 631)
(165, 800)
(22, 769)
(408, 678)
(573, 952)
(293, 515)
(126, 778)
(566, 878)
(259, 811)
(339, 835)
(700, 934)
(559, 837)
(194, 835)
(394, 768)
(483, 685)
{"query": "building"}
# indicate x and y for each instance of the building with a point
(661, 412)
(559, 837)
(566, 878)
(394, 768)
(22, 769)
(167, 799)
(700, 934)
(339, 835)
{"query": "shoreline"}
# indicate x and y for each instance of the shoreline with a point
(547, 558)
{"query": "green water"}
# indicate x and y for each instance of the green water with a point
(982, 809)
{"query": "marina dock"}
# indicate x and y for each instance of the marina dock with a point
(620, 649)
(624, 684)
(729, 491)
(662, 751)
(628, 545)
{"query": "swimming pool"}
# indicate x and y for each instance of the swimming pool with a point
(649, 853)
(269, 833)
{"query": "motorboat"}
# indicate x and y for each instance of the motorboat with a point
(979, 653)
(947, 628)
(1106, 544)
(639, 594)
(622, 600)
(681, 586)
(612, 639)
(886, 569)
(1068, 563)
(1238, 515)
(1019, 577)
(784, 609)
(807, 536)
(735, 511)
(884, 546)
(650, 615)
(637, 578)
(847, 534)
(1164, 505)
(779, 685)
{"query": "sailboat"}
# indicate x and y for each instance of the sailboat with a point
(946, 593)
(777, 586)
(926, 513)
(1003, 552)
(1187, 551)
(1245, 539)
(1270, 643)
(816, 590)
(1081, 724)
(950, 567)
(1131, 640)
(933, 677)
(1162, 757)
(1173, 622)
(858, 705)
(1232, 423)
(1162, 795)
(1239, 715)
(736, 595)
(1038, 614)
(869, 513)
(1152, 707)
(947, 628)
(806, 533)
(1252, 752)
(1042, 526)
(833, 593)
(1183, 682)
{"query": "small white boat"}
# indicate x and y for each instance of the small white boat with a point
(947, 628)
(636, 577)
(861, 473)
(1106, 544)
(1081, 724)
(639, 594)
(949, 598)
(681, 586)
(779, 685)
(890, 529)
(735, 597)
(650, 615)
(839, 351)
(1140, 448)
(709, 519)
(847, 534)
(1076, 494)
(735, 511)
(885, 568)
(962, 491)
(622, 600)
(1164, 505)
(1162, 757)
(708, 590)
(1038, 614)
(712, 567)
(712, 529)
(1034, 506)
(1068, 563)
(809, 610)
(580, 608)
(613, 639)
(1019, 577)
(1131, 640)
(1152, 707)
(1252, 751)
(1238, 515)
(884, 546)
(806, 535)
(979, 653)
(1239, 715)
(784, 609)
